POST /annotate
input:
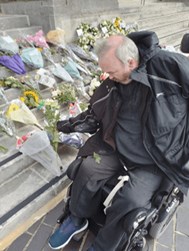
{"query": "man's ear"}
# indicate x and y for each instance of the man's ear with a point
(132, 63)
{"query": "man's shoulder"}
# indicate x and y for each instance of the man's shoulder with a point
(169, 56)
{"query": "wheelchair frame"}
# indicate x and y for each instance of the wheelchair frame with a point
(141, 222)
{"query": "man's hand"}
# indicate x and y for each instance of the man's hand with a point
(64, 126)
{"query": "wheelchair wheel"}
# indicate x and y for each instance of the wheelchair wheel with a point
(165, 217)
(135, 229)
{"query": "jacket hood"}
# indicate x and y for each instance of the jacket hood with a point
(147, 43)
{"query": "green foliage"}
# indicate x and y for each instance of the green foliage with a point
(3, 149)
(11, 82)
(52, 116)
(65, 94)
(97, 157)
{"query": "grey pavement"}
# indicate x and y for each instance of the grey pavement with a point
(175, 238)
(36, 237)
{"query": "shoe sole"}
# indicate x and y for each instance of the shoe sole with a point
(69, 239)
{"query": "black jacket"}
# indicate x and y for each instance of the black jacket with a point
(165, 119)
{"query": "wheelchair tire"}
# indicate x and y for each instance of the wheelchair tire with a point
(165, 217)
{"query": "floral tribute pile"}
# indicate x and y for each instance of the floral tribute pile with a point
(89, 33)
(52, 81)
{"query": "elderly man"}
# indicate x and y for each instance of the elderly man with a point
(139, 117)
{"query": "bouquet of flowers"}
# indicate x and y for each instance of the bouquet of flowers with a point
(36, 145)
(18, 111)
(64, 94)
(7, 127)
(117, 25)
(2, 95)
(93, 85)
(51, 110)
(11, 82)
(31, 98)
(88, 34)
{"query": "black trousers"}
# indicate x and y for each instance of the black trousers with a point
(86, 195)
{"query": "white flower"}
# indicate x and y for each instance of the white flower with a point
(56, 93)
(93, 85)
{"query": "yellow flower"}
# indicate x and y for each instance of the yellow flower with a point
(40, 49)
(13, 107)
(22, 99)
(33, 94)
(117, 23)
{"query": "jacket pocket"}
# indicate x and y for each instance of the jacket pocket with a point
(166, 112)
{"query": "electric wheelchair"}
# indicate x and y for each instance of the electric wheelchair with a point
(139, 223)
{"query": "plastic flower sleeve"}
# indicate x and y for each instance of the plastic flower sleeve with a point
(2, 95)
(6, 125)
(71, 68)
(47, 53)
(18, 111)
(45, 78)
(61, 73)
(32, 57)
(80, 52)
(72, 54)
(38, 147)
(79, 85)
(81, 67)
(56, 37)
(7, 44)
(38, 39)
(72, 139)
(13, 63)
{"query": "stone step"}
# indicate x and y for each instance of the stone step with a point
(17, 165)
(145, 4)
(20, 32)
(173, 38)
(160, 10)
(29, 190)
(162, 20)
(164, 30)
(13, 21)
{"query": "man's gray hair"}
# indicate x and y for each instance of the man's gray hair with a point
(126, 50)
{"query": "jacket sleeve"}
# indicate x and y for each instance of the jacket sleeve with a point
(85, 122)
(174, 67)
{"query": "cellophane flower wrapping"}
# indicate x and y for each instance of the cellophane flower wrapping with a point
(38, 147)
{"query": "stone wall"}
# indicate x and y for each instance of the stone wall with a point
(39, 12)
(68, 14)
(65, 14)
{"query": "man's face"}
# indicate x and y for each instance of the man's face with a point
(117, 71)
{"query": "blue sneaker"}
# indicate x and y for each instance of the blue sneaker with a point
(65, 232)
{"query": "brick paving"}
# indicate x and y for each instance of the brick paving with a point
(175, 238)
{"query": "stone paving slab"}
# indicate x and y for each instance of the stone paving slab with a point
(175, 238)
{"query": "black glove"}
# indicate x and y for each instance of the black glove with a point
(64, 126)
